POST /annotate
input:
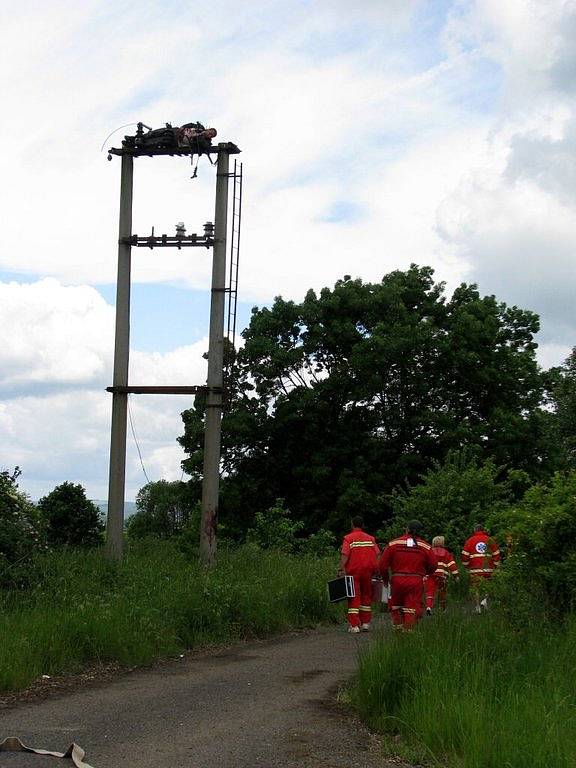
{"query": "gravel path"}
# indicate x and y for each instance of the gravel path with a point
(269, 703)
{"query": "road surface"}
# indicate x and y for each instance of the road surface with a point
(267, 703)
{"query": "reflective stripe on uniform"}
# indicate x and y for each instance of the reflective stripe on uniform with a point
(365, 608)
(361, 544)
(353, 610)
(480, 570)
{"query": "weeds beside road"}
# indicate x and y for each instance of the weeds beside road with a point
(474, 692)
(69, 609)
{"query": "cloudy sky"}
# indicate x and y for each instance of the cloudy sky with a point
(374, 134)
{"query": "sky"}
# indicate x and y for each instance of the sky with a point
(373, 135)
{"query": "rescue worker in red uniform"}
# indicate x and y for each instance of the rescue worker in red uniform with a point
(480, 555)
(436, 583)
(359, 558)
(404, 564)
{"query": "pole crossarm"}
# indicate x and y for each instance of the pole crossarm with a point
(164, 390)
(225, 146)
(166, 241)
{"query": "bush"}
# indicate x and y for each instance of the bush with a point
(454, 495)
(70, 518)
(163, 509)
(274, 529)
(20, 529)
(541, 536)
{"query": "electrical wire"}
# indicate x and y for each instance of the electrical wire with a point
(113, 132)
(136, 440)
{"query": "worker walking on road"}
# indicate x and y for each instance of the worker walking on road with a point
(359, 558)
(404, 564)
(481, 556)
(437, 583)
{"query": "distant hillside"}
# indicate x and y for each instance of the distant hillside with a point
(129, 507)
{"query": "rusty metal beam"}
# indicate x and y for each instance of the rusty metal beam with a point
(162, 390)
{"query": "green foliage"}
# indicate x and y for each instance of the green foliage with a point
(473, 692)
(561, 390)
(274, 529)
(541, 535)
(454, 495)
(20, 529)
(319, 544)
(164, 509)
(70, 518)
(335, 401)
(78, 608)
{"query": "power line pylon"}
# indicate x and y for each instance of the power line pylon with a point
(169, 141)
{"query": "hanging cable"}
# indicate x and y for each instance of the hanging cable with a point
(114, 131)
(136, 440)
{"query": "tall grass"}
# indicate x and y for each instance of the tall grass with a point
(472, 692)
(70, 609)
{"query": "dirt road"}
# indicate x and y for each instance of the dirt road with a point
(270, 703)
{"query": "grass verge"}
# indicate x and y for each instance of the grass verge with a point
(71, 608)
(473, 692)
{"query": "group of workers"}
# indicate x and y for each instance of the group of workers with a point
(414, 571)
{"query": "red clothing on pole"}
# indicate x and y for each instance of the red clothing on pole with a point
(405, 561)
(362, 552)
(480, 555)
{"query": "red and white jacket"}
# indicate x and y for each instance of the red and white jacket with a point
(446, 563)
(362, 552)
(480, 554)
(407, 556)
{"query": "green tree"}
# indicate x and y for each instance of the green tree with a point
(561, 391)
(164, 509)
(20, 529)
(541, 532)
(455, 494)
(338, 399)
(70, 518)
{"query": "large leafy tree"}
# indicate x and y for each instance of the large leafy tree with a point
(70, 518)
(337, 400)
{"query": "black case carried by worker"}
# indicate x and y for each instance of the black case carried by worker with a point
(341, 588)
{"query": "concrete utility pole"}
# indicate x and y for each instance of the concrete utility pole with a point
(172, 141)
(115, 519)
(215, 380)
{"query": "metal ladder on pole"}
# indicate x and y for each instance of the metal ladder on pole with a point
(232, 288)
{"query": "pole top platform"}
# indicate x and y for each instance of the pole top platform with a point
(188, 139)
(224, 146)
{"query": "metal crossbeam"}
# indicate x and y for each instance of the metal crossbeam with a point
(167, 241)
(226, 146)
(162, 390)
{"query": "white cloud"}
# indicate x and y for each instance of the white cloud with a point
(56, 348)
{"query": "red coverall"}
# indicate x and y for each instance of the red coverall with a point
(362, 552)
(436, 582)
(481, 556)
(409, 560)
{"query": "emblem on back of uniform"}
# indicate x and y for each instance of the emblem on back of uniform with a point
(481, 547)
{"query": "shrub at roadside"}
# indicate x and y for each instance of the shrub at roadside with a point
(70, 518)
(454, 495)
(541, 535)
(20, 529)
(80, 608)
(473, 692)
(275, 529)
